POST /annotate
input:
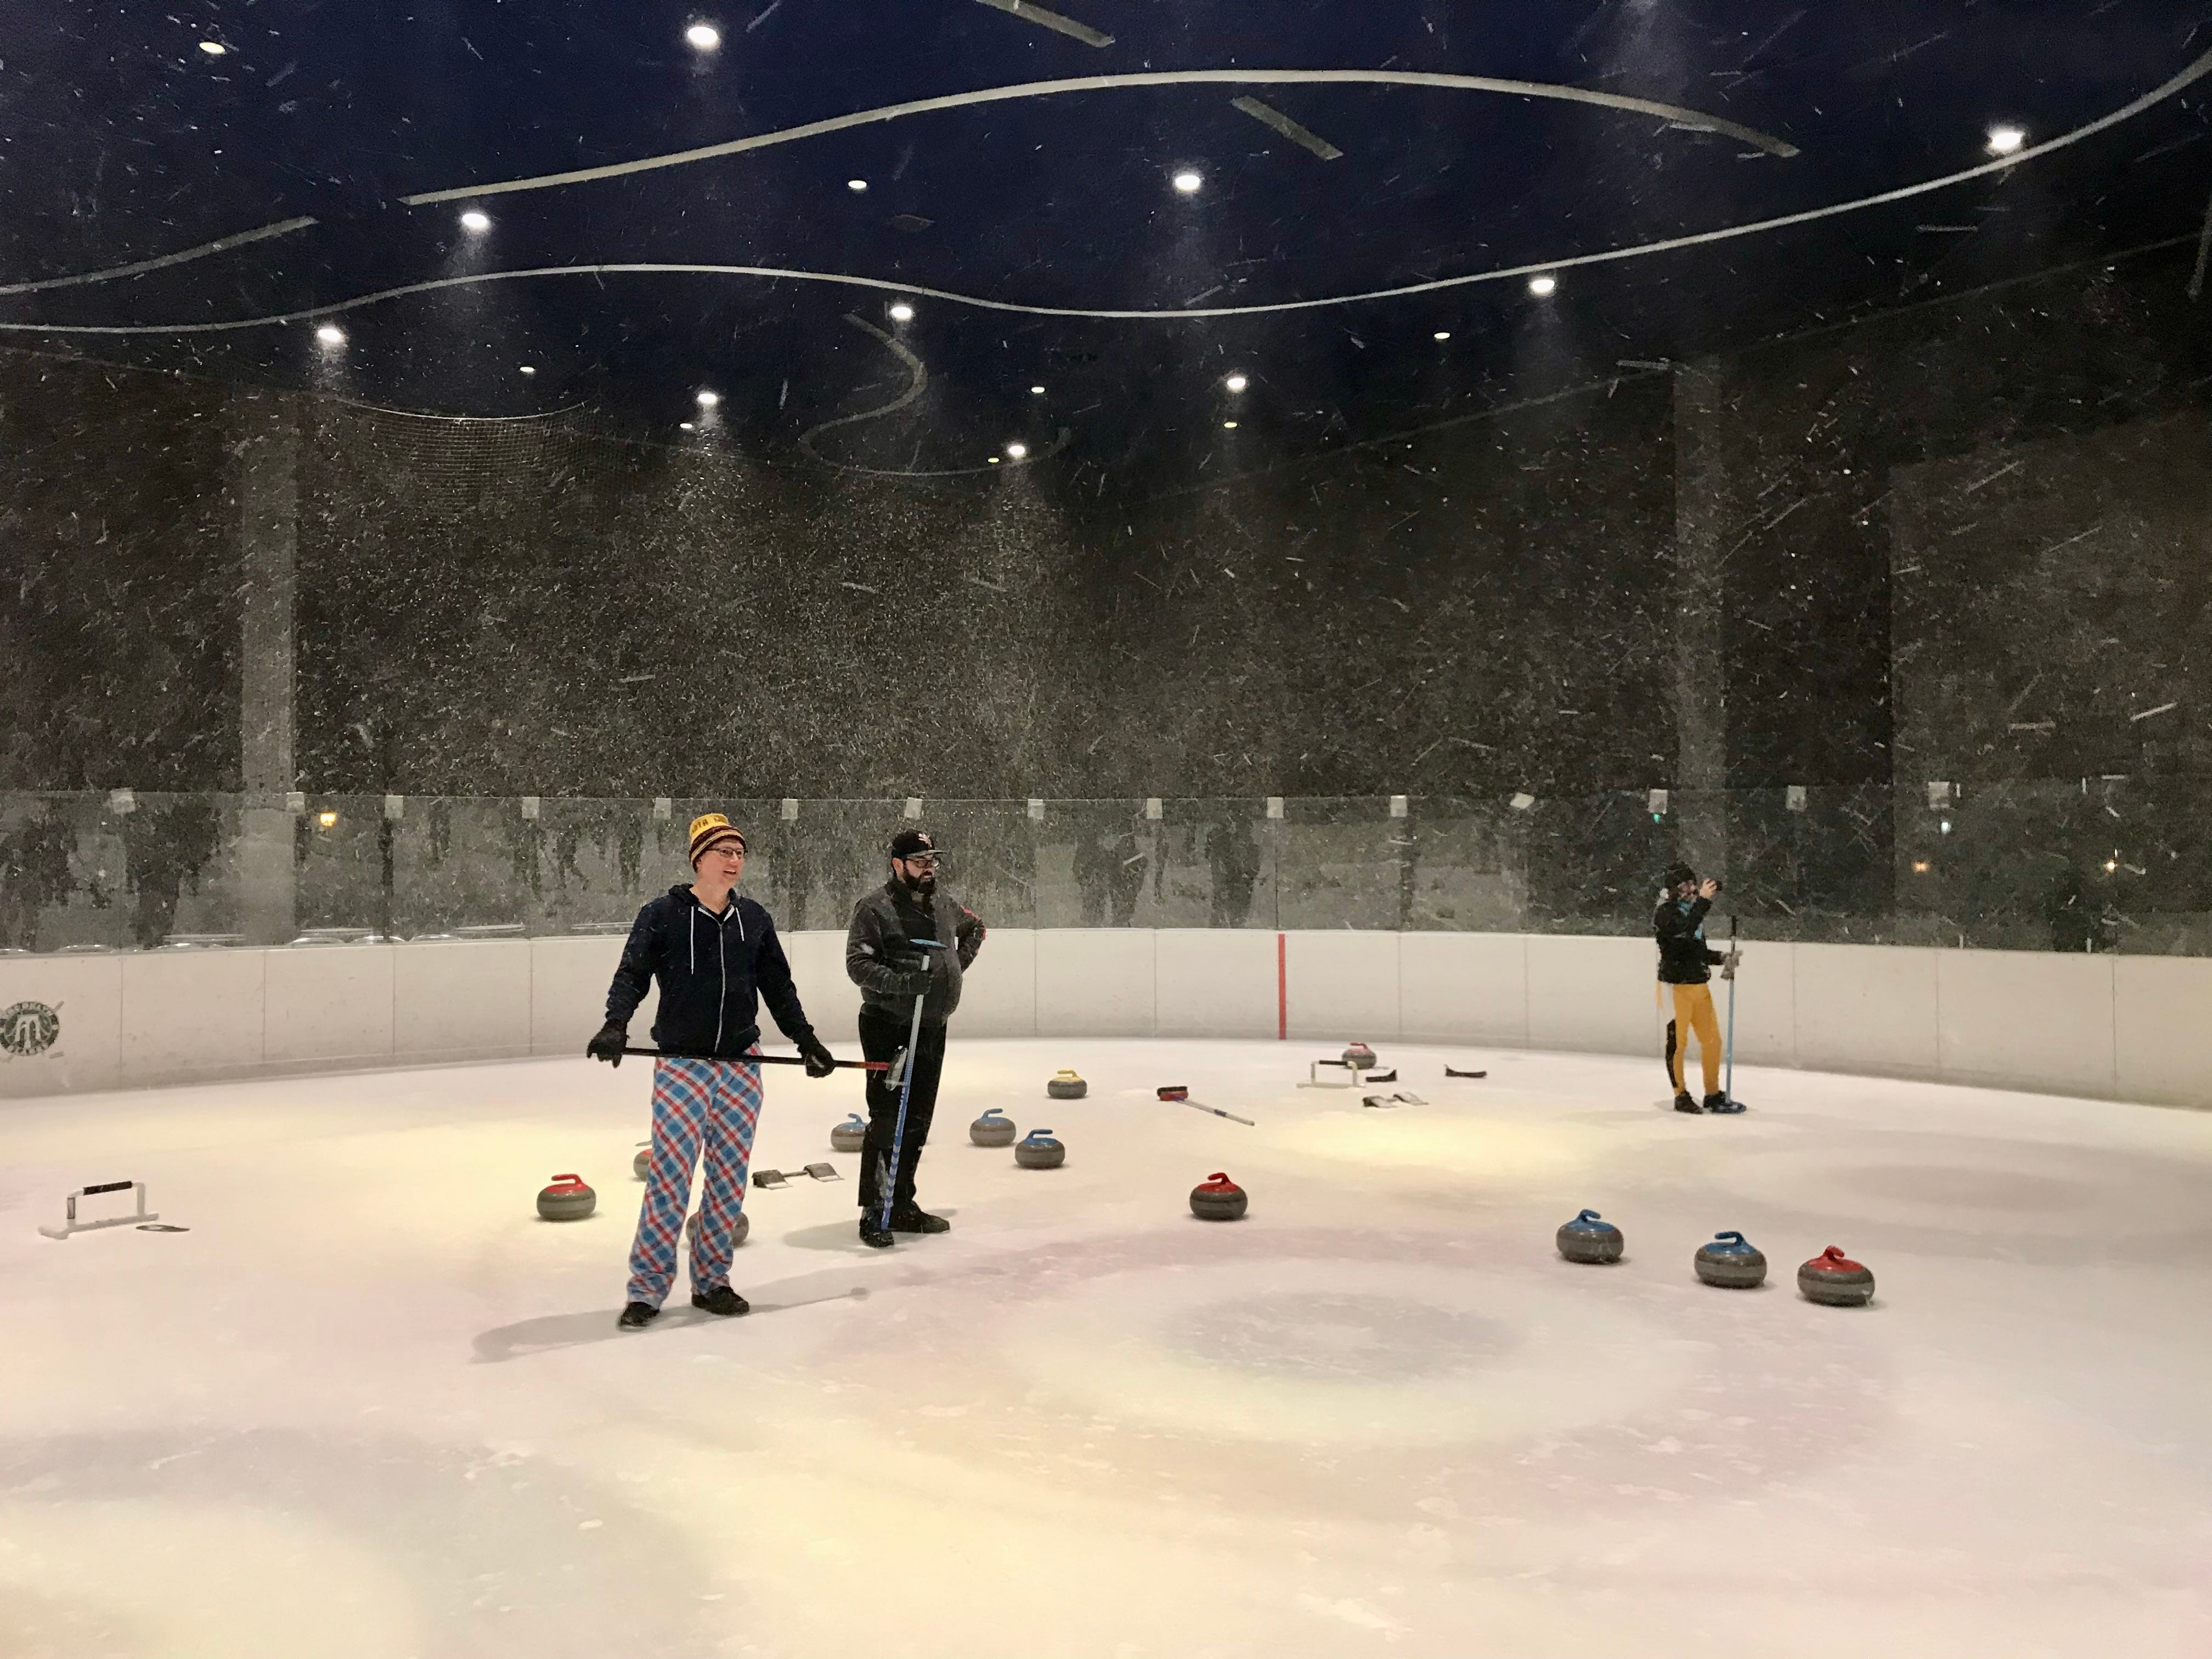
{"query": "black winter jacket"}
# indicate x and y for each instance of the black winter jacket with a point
(886, 919)
(1684, 957)
(715, 971)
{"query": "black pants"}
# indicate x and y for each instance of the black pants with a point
(880, 1039)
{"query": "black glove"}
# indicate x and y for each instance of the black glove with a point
(820, 1062)
(608, 1045)
(901, 958)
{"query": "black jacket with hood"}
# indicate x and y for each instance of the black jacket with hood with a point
(714, 972)
(1685, 958)
(884, 921)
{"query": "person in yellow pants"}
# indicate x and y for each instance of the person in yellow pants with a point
(1685, 968)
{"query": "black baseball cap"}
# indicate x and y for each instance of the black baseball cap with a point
(913, 843)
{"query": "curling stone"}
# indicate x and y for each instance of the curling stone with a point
(641, 1165)
(1218, 1198)
(566, 1200)
(1730, 1262)
(847, 1136)
(1834, 1278)
(1590, 1237)
(1359, 1057)
(993, 1128)
(744, 1224)
(1066, 1085)
(1039, 1151)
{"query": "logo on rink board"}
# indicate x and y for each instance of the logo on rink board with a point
(28, 1028)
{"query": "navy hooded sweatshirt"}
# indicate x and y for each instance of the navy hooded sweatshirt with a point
(714, 972)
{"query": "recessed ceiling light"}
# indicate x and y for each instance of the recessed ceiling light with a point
(688, 426)
(2004, 141)
(1037, 392)
(331, 335)
(1443, 334)
(856, 184)
(901, 313)
(475, 220)
(708, 399)
(1187, 182)
(1229, 425)
(703, 37)
(1543, 286)
(527, 369)
(1236, 383)
(994, 460)
(214, 48)
(1018, 450)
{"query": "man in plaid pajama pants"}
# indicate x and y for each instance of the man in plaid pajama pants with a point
(716, 958)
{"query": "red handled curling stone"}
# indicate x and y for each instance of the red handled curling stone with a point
(846, 1137)
(1834, 1280)
(566, 1200)
(993, 1128)
(1359, 1057)
(641, 1165)
(1590, 1237)
(1039, 1151)
(1731, 1262)
(1218, 1198)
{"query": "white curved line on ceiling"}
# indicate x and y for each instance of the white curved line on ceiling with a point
(221, 245)
(917, 383)
(2195, 72)
(1255, 77)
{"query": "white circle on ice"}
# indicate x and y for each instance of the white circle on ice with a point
(1348, 1352)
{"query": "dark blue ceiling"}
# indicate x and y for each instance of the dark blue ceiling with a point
(1013, 223)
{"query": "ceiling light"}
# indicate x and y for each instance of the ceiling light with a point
(214, 48)
(1543, 286)
(703, 37)
(527, 369)
(473, 220)
(1229, 425)
(1187, 182)
(994, 460)
(1018, 450)
(328, 820)
(1443, 334)
(2005, 140)
(688, 426)
(1236, 383)
(901, 313)
(1037, 392)
(331, 335)
(708, 399)
(856, 184)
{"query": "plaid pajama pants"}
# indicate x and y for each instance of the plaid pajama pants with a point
(697, 1104)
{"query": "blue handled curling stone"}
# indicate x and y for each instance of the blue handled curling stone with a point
(1590, 1237)
(566, 1200)
(847, 1136)
(1730, 1262)
(1039, 1151)
(993, 1128)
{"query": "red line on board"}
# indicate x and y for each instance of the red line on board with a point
(1282, 988)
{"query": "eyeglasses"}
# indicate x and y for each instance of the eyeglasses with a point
(728, 849)
(921, 861)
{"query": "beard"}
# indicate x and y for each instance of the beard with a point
(922, 886)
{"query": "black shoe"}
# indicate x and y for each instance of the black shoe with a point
(1721, 1102)
(875, 1237)
(915, 1219)
(638, 1316)
(720, 1300)
(1684, 1103)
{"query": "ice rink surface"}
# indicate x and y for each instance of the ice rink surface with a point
(370, 1405)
